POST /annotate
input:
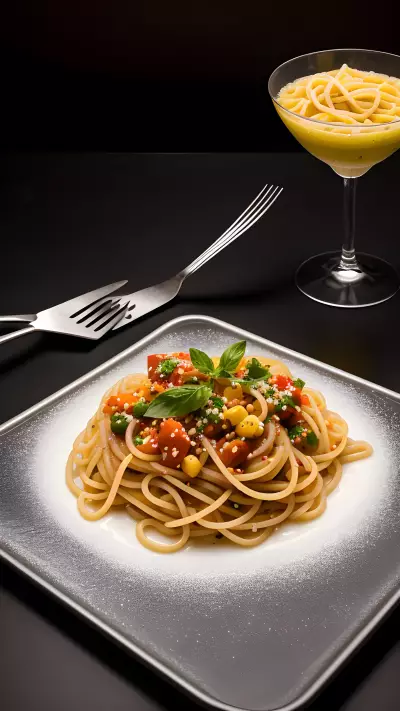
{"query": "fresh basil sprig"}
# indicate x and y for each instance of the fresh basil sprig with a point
(179, 401)
(228, 363)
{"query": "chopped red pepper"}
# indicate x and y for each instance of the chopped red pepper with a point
(233, 452)
(282, 382)
(153, 361)
(174, 442)
(151, 446)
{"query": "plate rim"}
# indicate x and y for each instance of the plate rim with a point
(338, 661)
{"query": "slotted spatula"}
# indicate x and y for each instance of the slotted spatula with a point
(88, 316)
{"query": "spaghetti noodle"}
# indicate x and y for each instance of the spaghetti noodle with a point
(210, 448)
(345, 95)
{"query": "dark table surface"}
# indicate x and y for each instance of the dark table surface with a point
(69, 223)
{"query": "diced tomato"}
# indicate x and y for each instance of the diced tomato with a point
(174, 442)
(296, 395)
(282, 381)
(229, 457)
(177, 378)
(153, 362)
(116, 403)
(305, 400)
(151, 446)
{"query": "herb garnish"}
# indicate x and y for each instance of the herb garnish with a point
(217, 401)
(296, 431)
(299, 383)
(179, 401)
(167, 366)
(312, 439)
(285, 400)
(228, 363)
(255, 371)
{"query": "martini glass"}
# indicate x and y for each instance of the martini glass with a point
(343, 278)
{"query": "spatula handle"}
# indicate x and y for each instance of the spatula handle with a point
(17, 318)
(16, 334)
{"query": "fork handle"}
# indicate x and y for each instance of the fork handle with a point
(16, 334)
(17, 318)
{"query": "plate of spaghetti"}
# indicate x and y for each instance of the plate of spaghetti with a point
(204, 448)
(224, 507)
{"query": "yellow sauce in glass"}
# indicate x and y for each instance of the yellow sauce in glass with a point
(346, 118)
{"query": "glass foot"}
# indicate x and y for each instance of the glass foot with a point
(325, 279)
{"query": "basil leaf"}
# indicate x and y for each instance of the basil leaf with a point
(201, 361)
(231, 357)
(179, 401)
(256, 371)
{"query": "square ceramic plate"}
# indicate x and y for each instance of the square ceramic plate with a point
(257, 629)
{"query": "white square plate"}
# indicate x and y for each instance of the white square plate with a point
(256, 629)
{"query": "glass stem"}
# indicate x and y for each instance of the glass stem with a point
(348, 257)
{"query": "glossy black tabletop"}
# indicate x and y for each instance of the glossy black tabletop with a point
(69, 223)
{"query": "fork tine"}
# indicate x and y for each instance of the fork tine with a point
(244, 226)
(112, 320)
(261, 197)
(240, 222)
(230, 235)
(246, 210)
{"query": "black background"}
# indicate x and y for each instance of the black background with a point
(169, 77)
(166, 76)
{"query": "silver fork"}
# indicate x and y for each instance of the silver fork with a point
(141, 302)
(91, 315)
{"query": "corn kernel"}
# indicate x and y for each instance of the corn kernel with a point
(233, 392)
(191, 465)
(249, 427)
(235, 414)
